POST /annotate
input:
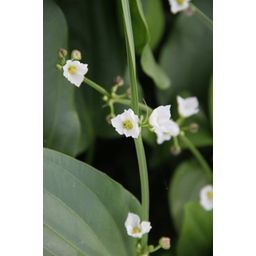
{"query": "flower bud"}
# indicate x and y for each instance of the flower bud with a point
(189, 11)
(165, 243)
(193, 128)
(62, 53)
(175, 150)
(76, 55)
(119, 81)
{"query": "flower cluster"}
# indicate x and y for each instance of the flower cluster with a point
(160, 122)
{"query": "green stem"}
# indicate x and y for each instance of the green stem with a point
(201, 15)
(197, 155)
(95, 86)
(135, 106)
(129, 103)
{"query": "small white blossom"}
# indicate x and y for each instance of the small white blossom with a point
(206, 197)
(187, 107)
(74, 71)
(134, 227)
(162, 125)
(127, 123)
(179, 5)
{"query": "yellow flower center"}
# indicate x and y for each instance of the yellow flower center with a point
(136, 230)
(127, 124)
(72, 70)
(210, 195)
(180, 2)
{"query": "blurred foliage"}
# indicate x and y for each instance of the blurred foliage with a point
(174, 57)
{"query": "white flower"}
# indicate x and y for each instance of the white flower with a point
(179, 5)
(134, 227)
(187, 107)
(162, 125)
(74, 71)
(206, 197)
(127, 123)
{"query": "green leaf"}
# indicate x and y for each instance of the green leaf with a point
(84, 210)
(61, 122)
(187, 58)
(197, 232)
(154, 70)
(185, 186)
(154, 15)
(99, 39)
(142, 46)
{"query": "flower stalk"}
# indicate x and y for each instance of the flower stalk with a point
(197, 155)
(135, 106)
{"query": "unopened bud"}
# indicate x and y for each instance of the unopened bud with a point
(189, 11)
(109, 117)
(193, 128)
(175, 150)
(119, 81)
(76, 55)
(165, 242)
(62, 53)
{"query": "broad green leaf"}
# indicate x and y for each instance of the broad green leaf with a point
(185, 186)
(187, 57)
(142, 46)
(94, 30)
(154, 15)
(84, 210)
(197, 232)
(61, 122)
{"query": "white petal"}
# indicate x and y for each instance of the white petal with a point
(174, 129)
(117, 124)
(132, 220)
(145, 227)
(205, 201)
(175, 7)
(78, 77)
(187, 107)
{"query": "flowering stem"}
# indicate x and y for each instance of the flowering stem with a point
(129, 103)
(201, 15)
(197, 155)
(135, 106)
(95, 86)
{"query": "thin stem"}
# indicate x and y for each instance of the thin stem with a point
(95, 86)
(129, 103)
(197, 155)
(201, 15)
(135, 106)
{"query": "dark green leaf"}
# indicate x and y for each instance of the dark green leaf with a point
(94, 29)
(84, 210)
(185, 186)
(187, 58)
(142, 46)
(154, 15)
(197, 232)
(61, 122)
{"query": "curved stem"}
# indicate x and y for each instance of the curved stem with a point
(198, 156)
(129, 103)
(135, 106)
(96, 87)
